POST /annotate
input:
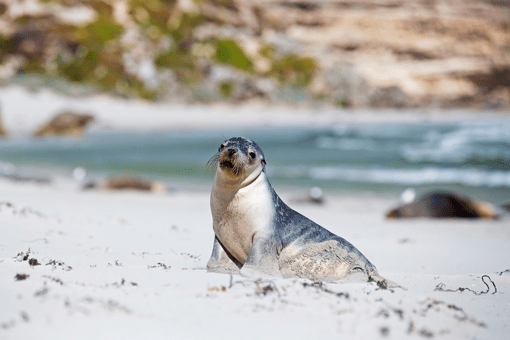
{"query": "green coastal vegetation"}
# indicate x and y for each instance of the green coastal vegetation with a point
(93, 54)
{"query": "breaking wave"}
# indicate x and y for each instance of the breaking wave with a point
(421, 176)
(433, 143)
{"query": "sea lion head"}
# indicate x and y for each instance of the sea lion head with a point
(239, 159)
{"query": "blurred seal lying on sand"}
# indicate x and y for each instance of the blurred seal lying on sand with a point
(127, 183)
(66, 124)
(445, 205)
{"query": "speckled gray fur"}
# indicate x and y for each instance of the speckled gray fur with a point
(258, 235)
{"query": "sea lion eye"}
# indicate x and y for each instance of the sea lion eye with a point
(252, 155)
(221, 147)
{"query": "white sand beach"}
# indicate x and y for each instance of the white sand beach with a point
(399, 95)
(129, 265)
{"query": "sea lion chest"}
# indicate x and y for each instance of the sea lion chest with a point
(238, 215)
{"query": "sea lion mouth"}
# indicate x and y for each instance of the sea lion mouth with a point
(226, 164)
(230, 163)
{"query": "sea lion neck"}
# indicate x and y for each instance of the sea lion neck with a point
(226, 183)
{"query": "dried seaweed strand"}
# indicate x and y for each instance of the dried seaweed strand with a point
(321, 286)
(441, 287)
(504, 271)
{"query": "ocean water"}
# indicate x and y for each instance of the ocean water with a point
(471, 157)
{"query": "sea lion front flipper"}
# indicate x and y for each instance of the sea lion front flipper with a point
(262, 262)
(221, 261)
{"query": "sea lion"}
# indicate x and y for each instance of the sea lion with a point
(66, 124)
(445, 205)
(259, 236)
(127, 183)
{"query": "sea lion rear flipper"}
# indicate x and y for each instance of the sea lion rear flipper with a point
(382, 282)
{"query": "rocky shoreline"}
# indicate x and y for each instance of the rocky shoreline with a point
(345, 53)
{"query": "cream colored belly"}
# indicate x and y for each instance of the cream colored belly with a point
(239, 217)
(236, 238)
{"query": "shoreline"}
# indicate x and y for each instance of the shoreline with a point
(23, 111)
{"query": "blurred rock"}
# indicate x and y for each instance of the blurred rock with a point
(282, 42)
(411, 53)
(389, 97)
(66, 124)
(347, 84)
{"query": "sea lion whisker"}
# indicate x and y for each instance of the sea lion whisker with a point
(212, 163)
(236, 169)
